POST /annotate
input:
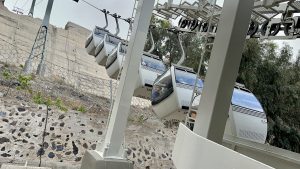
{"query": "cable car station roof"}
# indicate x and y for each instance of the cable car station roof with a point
(264, 10)
(271, 19)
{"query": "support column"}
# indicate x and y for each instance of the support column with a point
(48, 13)
(42, 65)
(112, 147)
(32, 8)
(223, 69)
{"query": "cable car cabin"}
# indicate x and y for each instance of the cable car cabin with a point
(94, 39)
(247, 117)
(114, 60)
(172, 92)
(150, 68)
(106, 48)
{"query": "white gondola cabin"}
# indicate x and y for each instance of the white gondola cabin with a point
(105, 48)
(94, 39)
(172, 92)
(150, 68)
(114, 61)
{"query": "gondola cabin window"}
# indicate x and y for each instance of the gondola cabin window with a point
(153, 63)
(187, 78)
(246, 99)
(162, 88)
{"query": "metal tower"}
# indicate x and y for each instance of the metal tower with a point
(32, 8)
(38, 48)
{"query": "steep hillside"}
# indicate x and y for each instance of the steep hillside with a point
(80, 92)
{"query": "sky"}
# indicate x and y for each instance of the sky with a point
(86, 16)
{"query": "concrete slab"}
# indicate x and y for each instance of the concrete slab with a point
(93, 160)
(6, 166)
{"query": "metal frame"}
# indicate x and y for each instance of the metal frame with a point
(263, 11)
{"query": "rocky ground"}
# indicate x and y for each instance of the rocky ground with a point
(70, 133)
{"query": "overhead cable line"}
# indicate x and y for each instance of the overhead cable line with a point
(105, 11)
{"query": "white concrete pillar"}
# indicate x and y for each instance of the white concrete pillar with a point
(223, 69)
(112, 147)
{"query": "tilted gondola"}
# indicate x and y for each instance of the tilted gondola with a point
(114, 60)
(151, 66)
(96, 37)
(172, 93)
(110, 42)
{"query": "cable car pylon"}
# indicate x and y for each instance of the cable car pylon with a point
(39, 45)
(32, 8)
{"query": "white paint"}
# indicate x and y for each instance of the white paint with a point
(192, 151)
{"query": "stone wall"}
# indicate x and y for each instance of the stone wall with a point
(69, 134)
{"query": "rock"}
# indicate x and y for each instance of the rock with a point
(27, 135)
(21, 109)
(78, 159)
(61, 117)
(100, 132)
(1, 95)
(85, 146)
(94, 146)
(129, 151)
(68, 153)
(3, 149)
(4, 140)
(14, 123)
(59, 148)
(58, 156)
(62, 124)
(75, 148)
(22, 130)
(53, 146)
(1, 132)
(2, 114)
(5, 120)
(46, 145)
(5, 155)
(51, 155)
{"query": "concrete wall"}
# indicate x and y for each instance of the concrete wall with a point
(65, 47)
